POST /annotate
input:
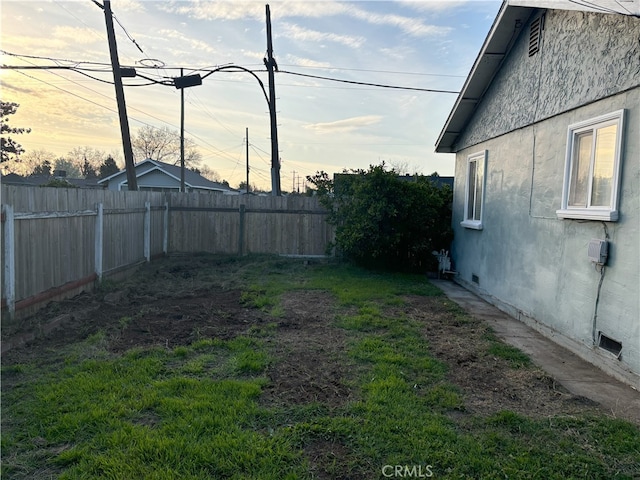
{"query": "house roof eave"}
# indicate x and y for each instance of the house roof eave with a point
(512, 16)
(505, 29)
(124, 171)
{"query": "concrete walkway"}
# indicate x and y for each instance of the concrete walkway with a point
(573, 373)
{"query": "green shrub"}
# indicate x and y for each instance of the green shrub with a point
(383, 221)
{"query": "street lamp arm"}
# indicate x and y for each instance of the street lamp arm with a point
(238, 67)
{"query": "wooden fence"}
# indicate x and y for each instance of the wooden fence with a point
(58, 242)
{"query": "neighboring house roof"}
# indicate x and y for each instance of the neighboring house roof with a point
(437, 179)
(15, 179)
(192, 179)
(38, 180)
(511, 18)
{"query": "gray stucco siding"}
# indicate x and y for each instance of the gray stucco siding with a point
(158, 179)
(583, 57)
(534, 265)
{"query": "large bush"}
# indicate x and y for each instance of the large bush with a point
(384, 221)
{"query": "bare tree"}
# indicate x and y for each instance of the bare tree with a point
(28, 162)
(163, 144)
(208, 173)
(71, 169)
(85, 157)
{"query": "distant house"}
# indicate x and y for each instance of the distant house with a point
(164, 177)
(43, 180)
(434, 178)
(546, 209)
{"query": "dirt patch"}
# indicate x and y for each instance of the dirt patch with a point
(170, 322)
(131, 320)
(332, 461)
(489, 383)
(308, 349)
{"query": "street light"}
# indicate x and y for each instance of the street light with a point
(187, 81)
(182, 82)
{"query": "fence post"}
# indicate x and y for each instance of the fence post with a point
(99, 240)
(147, 231)
(9, 260)
(241, 231)
(165, 238)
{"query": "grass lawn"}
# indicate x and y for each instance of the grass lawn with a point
(307, 371)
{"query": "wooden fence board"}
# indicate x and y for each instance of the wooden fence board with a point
(61, 249)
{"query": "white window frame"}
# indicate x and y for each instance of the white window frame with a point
(480, 160)
(602, 213)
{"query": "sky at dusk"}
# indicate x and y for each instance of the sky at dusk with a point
(322, 124)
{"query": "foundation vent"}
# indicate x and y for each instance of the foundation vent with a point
(475, 279)
(609, 344)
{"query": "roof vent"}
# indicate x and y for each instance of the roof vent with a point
(535, 35)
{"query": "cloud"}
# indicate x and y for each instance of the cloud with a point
(305, 62)
(411, 26)
(346, 125)
(215, 10)
(295, 32)
(432, 5)
(398, 54)
(8, 87)
(190, 43)
(33, 45)
(243, 10)
(127, 6)
(77, 35)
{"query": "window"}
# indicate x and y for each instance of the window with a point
(474, 191)
(592, 169)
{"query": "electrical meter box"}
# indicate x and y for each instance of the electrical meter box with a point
(598, 251)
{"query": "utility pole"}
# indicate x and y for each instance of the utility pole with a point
(272, 66)
(122, 108)
(247, 160)
(293, 187)
(182, 134)
(181, 83)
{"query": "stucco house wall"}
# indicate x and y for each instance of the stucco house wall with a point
(525, 259)
(584, 57)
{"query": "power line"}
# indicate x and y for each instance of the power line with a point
(215, 149)
(127, 34)
(600, 8)
(368, 83)
(211, 148)
(93, 30)
(67, 91)
(113, 15)
(238, 68)
(267, 162)
(395, 72)
(626, 9)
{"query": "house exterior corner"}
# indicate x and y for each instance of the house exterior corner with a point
(522, 241)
